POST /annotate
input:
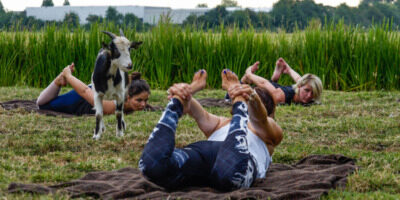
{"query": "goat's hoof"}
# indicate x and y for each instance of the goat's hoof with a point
(96, 137)
(120, 133)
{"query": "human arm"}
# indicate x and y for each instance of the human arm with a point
(262, 125)
(85, 91)
(288, 70)
(206, 121)
(265, 127)
(261, 82)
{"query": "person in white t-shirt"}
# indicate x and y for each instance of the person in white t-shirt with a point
(237, 151)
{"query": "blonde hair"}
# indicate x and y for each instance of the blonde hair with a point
(315, 84)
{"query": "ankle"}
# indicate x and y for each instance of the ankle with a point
(178, 98)
(57, 83)
(176, 105)
(238, 99)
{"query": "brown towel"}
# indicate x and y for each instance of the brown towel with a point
(210, 102)
(30, 105)
(310, 178)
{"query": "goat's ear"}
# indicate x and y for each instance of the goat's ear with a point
(136, 45)
(104, 45)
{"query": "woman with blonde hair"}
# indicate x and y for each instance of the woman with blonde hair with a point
(306, 90)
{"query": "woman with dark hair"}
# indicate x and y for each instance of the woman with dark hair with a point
(79, 101)
(237, 151)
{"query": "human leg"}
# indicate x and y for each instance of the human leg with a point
(160, 162)
(234, 166)
(199, 81)
(51, 91)
(280, 67)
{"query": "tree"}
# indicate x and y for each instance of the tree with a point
(72, 19)
(202, 5)
(346, 13)
(93, 19)
(47, 3)
(112, 15)
(1, 8)
(214, 17)
(243, 18)
(229, 3)
(190, 20)
(66, 3)
(133, 21)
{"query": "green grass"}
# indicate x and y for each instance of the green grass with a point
(345, 58)
(362, 125)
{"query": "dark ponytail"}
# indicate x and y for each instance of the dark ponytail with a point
(137, 85)
(267, 99)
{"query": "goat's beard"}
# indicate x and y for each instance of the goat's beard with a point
(124, 69)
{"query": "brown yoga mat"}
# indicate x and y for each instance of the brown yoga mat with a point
(309, 178)
(30, 106)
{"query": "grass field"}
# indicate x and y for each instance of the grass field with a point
(362, 125)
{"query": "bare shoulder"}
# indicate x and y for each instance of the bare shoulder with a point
(279, 95)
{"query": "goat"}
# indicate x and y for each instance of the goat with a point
(110, 79)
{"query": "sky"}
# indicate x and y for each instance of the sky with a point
(20, 5)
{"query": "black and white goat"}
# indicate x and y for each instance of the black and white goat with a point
(110, 79)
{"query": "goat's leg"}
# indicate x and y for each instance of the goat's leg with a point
(120, 117)
(98, 105)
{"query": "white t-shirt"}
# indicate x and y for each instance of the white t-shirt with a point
(255, 145)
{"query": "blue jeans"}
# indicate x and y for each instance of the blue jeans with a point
(223, 165)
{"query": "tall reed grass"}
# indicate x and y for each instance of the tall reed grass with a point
(344, 57)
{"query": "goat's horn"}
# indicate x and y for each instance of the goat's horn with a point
(121, 33)
(110, 34)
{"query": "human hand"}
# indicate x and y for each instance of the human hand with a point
(183, 92)
(243, 90)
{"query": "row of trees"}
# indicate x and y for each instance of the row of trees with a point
(49, 3)
(10, 19)
(291, 14)
(286, 14)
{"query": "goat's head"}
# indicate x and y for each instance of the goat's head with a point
(120, 48)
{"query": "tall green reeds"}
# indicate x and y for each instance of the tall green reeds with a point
(344, 57)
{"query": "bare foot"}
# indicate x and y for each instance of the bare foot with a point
(254, 67)
(250, 70)
(60, 81)
(229, 79)
(280, 67)
(199, 81)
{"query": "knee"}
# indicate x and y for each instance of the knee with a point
(151, 168)
(240, 175)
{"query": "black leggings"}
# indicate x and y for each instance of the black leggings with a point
(225, 165)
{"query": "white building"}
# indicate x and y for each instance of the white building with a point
(149, 14)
